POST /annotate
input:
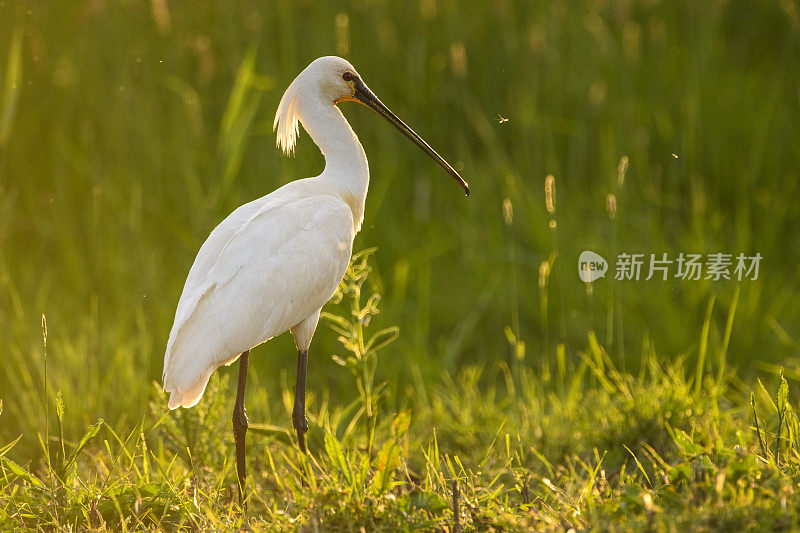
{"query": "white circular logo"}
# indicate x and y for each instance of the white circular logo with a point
(591, 266)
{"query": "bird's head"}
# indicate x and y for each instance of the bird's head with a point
(333, 79)
(328, 79)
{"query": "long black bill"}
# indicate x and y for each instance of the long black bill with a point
(368, 98)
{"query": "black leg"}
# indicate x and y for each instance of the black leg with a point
(240, 423)
(299, 411)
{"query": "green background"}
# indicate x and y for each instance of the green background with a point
(129, 129)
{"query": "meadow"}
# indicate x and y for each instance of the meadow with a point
(464, 377)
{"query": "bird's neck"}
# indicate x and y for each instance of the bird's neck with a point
(346, 167)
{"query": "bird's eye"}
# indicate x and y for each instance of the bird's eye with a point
(347, 76)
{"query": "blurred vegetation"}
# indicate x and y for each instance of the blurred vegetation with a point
(128, 130)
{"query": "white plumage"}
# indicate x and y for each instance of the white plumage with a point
(268, 267)
(274, 262)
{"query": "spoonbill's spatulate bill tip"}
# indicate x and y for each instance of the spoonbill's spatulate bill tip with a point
(273, 263)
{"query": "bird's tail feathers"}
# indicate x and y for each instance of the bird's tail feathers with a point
(188, 396)
(187, 387)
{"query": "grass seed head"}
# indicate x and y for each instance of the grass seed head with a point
(508, 212)
(622, 169)
(611, 205)
(550, 194)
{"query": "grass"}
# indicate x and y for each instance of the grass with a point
(485, 449)
(129, 129)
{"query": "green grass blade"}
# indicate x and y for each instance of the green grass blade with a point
(12, 85)
(722, 354)
(701, 353)
(91, 433)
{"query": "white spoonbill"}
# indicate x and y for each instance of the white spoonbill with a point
(273, 263)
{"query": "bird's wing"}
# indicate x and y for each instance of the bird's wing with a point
(277, 268)
(212, 247)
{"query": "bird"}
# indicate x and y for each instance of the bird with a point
(273, 263)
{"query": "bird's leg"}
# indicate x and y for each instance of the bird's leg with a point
(299, 411)
(240, 424)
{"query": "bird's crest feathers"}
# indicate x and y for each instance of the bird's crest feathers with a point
(286, 119)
